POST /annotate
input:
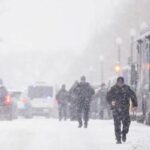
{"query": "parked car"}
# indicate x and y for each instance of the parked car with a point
(37, 100)
(15, 96)
(8, 109)
(8, 106)
(41, 99)
(24, 106)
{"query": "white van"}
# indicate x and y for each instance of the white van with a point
(41, 99)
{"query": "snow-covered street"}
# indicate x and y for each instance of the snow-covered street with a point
(50, 134)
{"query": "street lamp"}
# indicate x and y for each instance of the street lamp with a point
(132, 36)
(91, 69)
(139, 59)
(132, 74)
(119, 43)
(101, 58)
(117, 68)
(148, 38)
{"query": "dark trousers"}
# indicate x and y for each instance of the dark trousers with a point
(121, 117)
(101, 114)
(83, 107)
(62, 112)
(73, 112)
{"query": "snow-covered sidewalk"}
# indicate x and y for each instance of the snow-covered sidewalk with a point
(50, 134)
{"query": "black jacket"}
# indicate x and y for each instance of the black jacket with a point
(122, 96)
(85, 91)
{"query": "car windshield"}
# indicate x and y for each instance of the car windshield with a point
(40, 92)
(16, 94)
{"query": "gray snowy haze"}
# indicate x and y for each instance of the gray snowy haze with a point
(57, 41)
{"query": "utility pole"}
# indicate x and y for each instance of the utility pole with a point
(102, 68)
(119, 43)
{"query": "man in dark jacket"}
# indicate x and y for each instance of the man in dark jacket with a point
(85, 93)
(62, 99)
(119, 98)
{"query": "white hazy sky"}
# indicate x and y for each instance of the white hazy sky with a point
(60, 29)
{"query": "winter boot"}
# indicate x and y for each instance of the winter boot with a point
(124, 138)
(118, 138)
(80, 125)
(85, 125)
(118, 142)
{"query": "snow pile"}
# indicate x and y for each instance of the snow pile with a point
(44, 134)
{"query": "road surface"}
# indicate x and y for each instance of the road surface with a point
(50, 134)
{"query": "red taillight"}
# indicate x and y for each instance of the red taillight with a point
(8, 100)
(24, 101)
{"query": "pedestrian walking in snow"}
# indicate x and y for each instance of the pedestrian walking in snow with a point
(62, 99)
(119, 98)
(85, 93)
(73, 92)
(103, 105)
